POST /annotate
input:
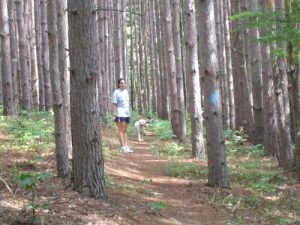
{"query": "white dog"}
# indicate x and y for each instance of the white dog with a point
(139, 126)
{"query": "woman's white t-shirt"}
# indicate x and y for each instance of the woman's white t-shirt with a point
(121, 99)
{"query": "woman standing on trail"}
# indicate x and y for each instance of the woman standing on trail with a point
(121, 112)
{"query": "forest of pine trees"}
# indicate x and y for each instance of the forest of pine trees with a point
(221, 64)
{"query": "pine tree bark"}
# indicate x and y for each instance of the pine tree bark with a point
(270, 123)
(45, 56)
(255, 71)
(193, 82)
(118, 40)
(171, 67)
(38, 37)
(14, 53)
(285, 152)
(63, 71)
(163, 66)
(181, 133)
(25, 97)
(217, 165)
(6, 68)
(228, 74)
(61, 149)
(33, 58)
(88, 162)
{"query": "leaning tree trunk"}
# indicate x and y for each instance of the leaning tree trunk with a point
(6, 70)
(88, 162)
(217, 165)
(193, 84)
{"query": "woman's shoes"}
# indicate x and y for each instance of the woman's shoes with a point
(125, 149)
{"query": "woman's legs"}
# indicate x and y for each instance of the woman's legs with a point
(120, 133)
(123, 136)
(125, 126)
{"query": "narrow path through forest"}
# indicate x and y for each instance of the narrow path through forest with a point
(140, 174)
(135, 181)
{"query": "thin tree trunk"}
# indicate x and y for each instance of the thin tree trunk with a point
(270, 124)
(171, 67)
(63, 70)
(45, 56)
(193, 82)
(228, 73)
(25, 99)
(38, 37)
(181, 133)
(118, 40)
(33, 59)
(14, 53)
(6, 69)
(285, 151)
(61, 149)
(255, 71)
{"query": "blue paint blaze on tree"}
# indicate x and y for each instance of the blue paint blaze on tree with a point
(214, 98)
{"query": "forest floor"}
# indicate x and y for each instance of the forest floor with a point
(139, 191)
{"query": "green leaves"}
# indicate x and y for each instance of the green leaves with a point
(28, 180)
(157, 205)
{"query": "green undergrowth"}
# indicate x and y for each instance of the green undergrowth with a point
(29, 130)
(261, 192)
(259, 186)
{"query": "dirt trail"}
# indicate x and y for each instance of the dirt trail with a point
(142, 173)
(136, 179)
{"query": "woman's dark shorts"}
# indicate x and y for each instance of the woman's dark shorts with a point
(122, 119)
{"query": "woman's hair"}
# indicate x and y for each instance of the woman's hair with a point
(119, 81)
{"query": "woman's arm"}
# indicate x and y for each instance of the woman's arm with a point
(114, 109)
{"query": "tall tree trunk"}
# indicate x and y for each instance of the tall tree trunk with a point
(153, 55)
(270, 124)
(237, 65)
(118, 40)
(181, 133)
(14, 52)
(124, 43)
(163, 78)
(6, 70)
(217, 165)
(33, 58)
(228, 73)
(86, 134)
(255, 71)
(45, 56)
(193, 82)
(245, 84)
(285, 152)
(38, 37)
(25, 99)
(171, 67)
(58, 106)
(63, 71)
